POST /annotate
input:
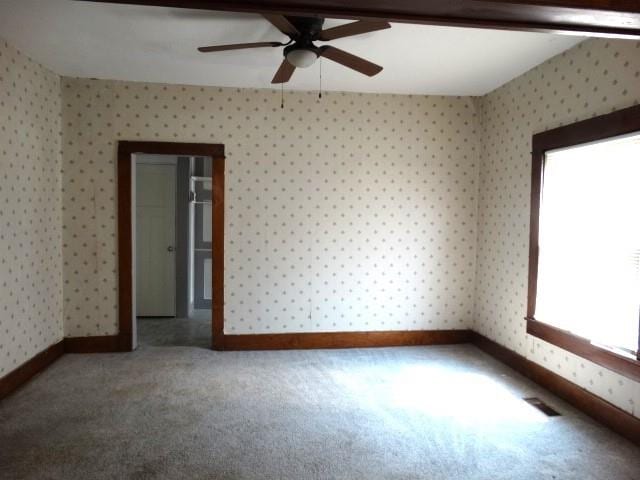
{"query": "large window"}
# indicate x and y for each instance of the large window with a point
(584, 280)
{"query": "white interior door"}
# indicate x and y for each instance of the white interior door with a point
(155, 240)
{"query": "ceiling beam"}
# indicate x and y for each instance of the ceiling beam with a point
(605, 18)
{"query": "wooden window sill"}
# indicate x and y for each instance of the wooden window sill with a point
(626, 366)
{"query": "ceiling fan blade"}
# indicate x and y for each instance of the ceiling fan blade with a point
(354, 28)
(351, 61)
(284, 72)
(283, 24)
(238, 46)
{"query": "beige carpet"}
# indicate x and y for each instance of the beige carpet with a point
(397, 413)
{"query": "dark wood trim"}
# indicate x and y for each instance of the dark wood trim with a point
(627, 366)
(102, 344)
(604, 412)
(288, 341)
(125, 268)
(614, 124)
(217, 253)
(620, 18)
(125, 272)
(21, 375)
(534, 229)
(620, 122)
(213, 150)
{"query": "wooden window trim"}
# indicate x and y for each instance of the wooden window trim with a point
(602, 127)
(582, 347)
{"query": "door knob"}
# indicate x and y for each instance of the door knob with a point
(170, 248)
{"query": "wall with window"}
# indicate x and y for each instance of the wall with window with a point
(30, 209)
(356, 212)
(596, 77)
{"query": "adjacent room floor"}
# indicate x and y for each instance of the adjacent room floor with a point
(194, 331)
(447, 412)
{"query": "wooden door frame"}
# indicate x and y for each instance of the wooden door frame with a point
(126, 150)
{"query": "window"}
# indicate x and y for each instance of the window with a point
(584, 265)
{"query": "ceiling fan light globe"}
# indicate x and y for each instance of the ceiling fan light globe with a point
(301, 57)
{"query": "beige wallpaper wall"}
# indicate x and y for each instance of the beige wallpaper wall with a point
(356, 212)
(596, 77)
(30, 209)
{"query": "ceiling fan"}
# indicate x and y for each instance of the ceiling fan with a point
(301, 52)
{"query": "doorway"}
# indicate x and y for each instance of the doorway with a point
(171, 260)
(173, 250)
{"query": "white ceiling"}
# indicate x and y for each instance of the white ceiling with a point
(155, 44)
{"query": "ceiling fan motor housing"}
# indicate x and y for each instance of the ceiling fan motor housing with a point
(309, 27)
(303, 53)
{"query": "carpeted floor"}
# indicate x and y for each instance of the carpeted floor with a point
(447, 412)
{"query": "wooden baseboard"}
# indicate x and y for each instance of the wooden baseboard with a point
(103, 344)
(604, 412)
(21, 375)
(288, 341)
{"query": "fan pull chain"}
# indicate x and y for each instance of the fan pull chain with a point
(320, 92)
(282, 95)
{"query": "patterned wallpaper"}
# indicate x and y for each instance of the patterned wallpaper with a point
(356, 212)
(596, 77)
(30, 209)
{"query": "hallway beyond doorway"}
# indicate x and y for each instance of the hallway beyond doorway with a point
(176, 332)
